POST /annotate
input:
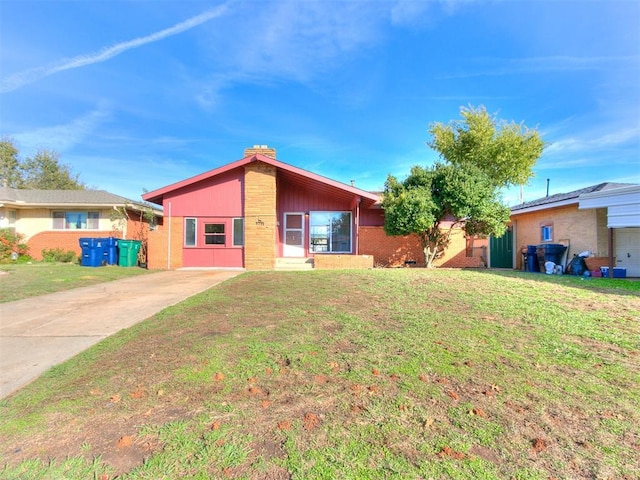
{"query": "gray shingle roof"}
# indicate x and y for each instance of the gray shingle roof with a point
(65, 197)
(566, 197)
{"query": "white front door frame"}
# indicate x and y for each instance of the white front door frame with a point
(293, 244)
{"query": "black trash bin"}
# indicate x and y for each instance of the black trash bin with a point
(550, 252)
(532, 258)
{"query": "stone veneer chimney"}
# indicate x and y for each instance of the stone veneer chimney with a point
(262, 149)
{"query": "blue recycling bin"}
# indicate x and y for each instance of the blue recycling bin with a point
(92, 252)
(532, 258)
(550, 252)
(111, 251)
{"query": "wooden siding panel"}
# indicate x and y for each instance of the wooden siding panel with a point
(203, 255)
(371, 217)
(213, 257)
(292, 198)
(218, 196)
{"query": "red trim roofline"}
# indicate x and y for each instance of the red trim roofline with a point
(156, 196)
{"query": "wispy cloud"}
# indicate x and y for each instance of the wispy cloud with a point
(65, 136)
(21, 79)
(590, 143)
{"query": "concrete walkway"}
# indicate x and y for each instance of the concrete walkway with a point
(40, 332)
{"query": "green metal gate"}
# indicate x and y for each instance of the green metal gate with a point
(501, 250)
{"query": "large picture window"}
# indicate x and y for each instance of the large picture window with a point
(330, 232)
(76, 220)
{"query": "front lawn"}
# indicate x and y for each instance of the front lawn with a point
(354, 375)
(22, 280)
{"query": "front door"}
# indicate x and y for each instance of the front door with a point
(293, 235)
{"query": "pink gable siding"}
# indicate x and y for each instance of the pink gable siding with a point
(216, 196)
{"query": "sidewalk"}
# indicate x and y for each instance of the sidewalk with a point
(40, 332)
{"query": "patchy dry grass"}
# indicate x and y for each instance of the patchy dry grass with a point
(377, 374)
(22, 280)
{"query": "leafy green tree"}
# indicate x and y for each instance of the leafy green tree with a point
(479, 155)
(9, 164)
(505, 151)
(431, 202)
(45, 172)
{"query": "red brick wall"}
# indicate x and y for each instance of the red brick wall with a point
(70, 239)
(63, 239)
(389, 251)
(395, 251)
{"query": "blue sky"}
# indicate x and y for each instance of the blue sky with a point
(139, 94)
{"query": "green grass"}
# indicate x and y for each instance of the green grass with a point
(353, 374)
(19, 281)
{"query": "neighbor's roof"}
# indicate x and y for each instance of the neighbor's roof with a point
(293, 174)
(66, 198)
(562, 199)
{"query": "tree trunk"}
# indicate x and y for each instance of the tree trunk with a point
(429, 250)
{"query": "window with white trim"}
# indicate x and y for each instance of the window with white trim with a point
(76, 220)
(238, 232)
(214, 234)
(330, 232)
(189, 232)
(546, 233)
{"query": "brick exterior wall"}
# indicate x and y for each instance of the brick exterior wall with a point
(581, 230)
(70, 239)
(157, 251)
(260, 216)
(395, 251)
(389, 251)
(62, 239)
(339, 262)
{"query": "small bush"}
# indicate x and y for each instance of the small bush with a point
(11, 242)
(58, 255)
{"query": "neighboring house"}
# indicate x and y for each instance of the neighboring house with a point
(580, 220)
(259, 213)
(50, 219)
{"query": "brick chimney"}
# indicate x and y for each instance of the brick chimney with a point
(262, 149)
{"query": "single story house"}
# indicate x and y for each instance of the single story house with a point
(259, 213)
(602, 219)
(50, 219)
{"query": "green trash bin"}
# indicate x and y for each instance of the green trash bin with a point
(128, 252)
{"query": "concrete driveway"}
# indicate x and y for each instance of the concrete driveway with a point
(40, 332)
